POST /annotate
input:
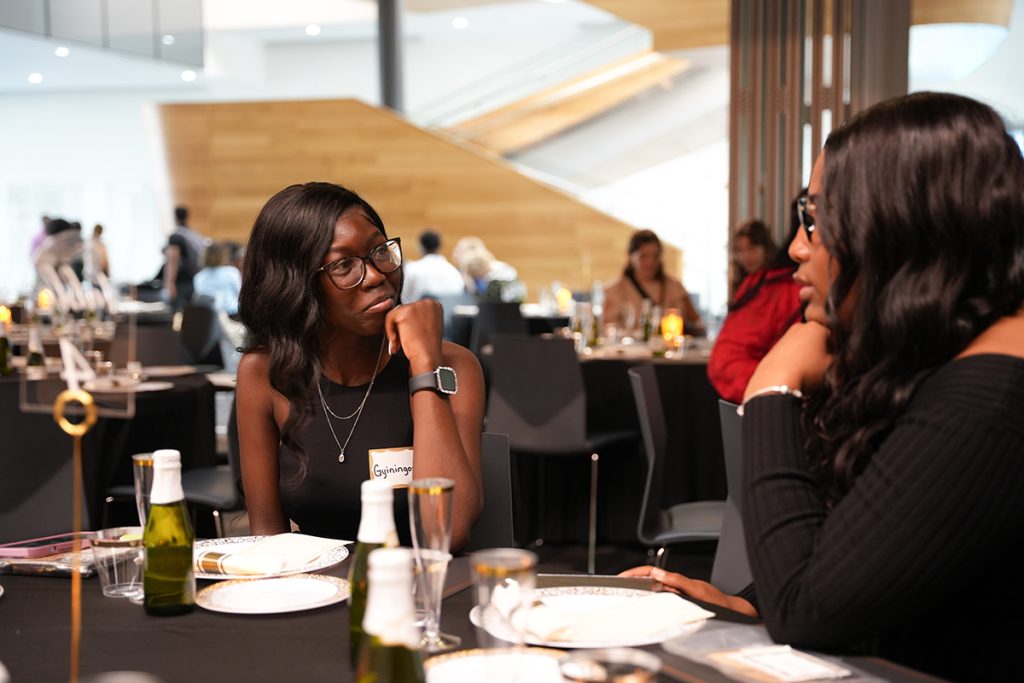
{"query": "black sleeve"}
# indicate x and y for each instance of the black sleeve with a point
(940, 498)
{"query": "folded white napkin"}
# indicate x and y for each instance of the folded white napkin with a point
(629, 619)
(283, 552)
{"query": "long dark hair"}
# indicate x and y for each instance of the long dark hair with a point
(923, 213)
(281, 303)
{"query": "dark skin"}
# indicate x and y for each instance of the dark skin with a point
(447, 429)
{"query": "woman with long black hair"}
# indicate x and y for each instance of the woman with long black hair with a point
(339, 382)
(883, 448)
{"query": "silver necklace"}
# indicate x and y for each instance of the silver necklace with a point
(357, 413)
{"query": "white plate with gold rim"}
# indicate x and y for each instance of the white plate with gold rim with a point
(234, 543)
(273, 596)
(574, 600)
(123, 385)
(532, 665)
(168, 370)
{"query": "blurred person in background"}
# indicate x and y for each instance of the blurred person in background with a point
(644, 278)
(183, 256)
(219, 279)
(479, 267)
(765, 305)
(97, 260)
(63, 245)
(432, 275)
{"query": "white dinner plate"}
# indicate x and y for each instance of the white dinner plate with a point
(272, 596)
(168, 370)
(328, 559)
(123, 385)
(532, 665)
(221, 380)
(577, 599)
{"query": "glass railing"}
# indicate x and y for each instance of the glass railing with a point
(591, 49)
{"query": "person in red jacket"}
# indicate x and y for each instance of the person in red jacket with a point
(766, 303)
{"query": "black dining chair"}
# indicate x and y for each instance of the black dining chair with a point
(730, 572)
(495, 528)
(219, 487)
(659, 526)
(537, 398)
(200, 334)
(492, 319)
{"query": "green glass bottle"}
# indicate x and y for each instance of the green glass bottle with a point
(376, 530)
(169, 582)
(646, 320)
(388, 651)
(35, 362)
(6, 366)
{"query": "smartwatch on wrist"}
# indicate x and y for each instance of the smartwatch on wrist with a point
(442, 379)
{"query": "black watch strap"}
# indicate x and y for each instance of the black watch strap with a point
(443, 380)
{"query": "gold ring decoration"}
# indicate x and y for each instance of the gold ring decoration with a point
(79, 396)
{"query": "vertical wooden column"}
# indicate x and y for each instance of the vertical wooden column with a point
(800, 68)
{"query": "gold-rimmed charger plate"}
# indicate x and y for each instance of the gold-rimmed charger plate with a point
(532, 664)
(273, 596)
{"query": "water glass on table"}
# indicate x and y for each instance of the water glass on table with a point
(117, 553)
(504, 579)
(430, 520)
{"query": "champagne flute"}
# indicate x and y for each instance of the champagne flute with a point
(504, 580)
(430, 519)
(142, 474)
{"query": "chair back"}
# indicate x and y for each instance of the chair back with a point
(731, 570)
(655, 434)
(200, 332)
(457, 328)
(495, 528)
(537, 395)
(36, 472)
(493, 319)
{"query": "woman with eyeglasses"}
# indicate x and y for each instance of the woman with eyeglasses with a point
(882, 440)
(764, 306)
(339, 383)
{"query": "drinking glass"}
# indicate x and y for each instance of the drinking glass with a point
(504, 579)
(629, 320)
(430, 520)
(142, 470)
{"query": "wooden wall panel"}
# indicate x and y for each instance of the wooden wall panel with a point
(226, 160)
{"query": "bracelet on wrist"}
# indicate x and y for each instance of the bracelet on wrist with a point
(776, 390)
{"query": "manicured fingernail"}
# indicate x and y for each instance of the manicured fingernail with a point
(391, 348)
(658, 573)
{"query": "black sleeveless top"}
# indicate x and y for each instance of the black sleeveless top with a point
(327, 501)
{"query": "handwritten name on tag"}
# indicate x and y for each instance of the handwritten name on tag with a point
(392, 465)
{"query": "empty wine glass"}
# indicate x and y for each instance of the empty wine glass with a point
(430, 519)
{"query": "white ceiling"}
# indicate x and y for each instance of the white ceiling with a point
(266, 23)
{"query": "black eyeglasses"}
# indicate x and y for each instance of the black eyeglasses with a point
(349, 272)
(806, 219)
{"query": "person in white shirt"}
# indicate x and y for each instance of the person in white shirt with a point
(431, 276)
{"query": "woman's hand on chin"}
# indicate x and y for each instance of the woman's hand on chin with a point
(416, 328)
(692, 588)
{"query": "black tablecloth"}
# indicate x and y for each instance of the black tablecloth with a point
(305, 646)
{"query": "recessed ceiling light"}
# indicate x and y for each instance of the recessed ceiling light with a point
(62, 51)
(313, 30)
(167, 39)
(188, 75)
(460, 22)
(35, 78)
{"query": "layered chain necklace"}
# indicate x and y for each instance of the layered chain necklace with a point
(357, 413)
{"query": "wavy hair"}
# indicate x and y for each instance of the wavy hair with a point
(280, 302)
(924, 214)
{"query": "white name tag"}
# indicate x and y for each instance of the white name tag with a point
(392, 465)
